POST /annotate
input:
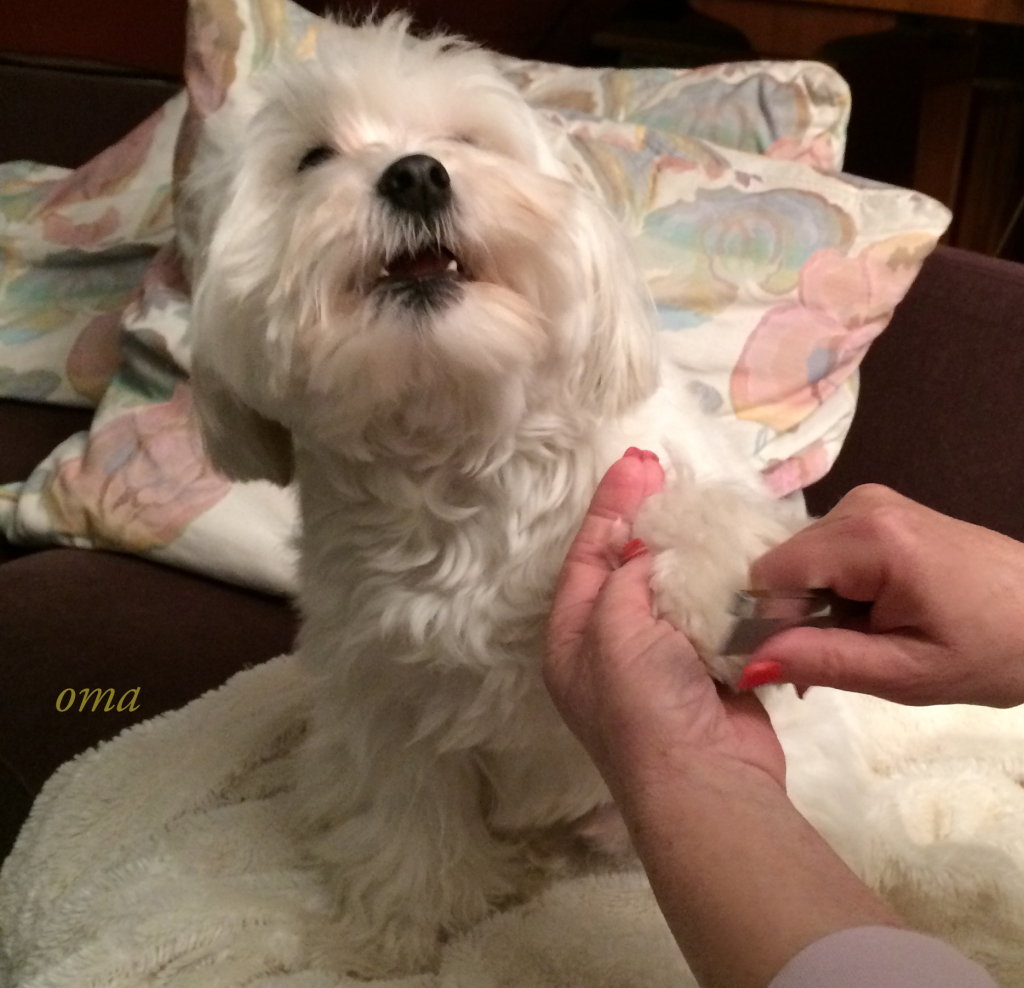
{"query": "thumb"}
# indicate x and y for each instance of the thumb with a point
(628, 482)
(625, 602)
(887, 666)
(646, 654)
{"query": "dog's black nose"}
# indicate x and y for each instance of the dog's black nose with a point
(416, 183)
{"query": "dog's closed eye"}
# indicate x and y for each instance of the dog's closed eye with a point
(316, 156)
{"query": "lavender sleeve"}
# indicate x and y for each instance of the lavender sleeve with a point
(880, 957)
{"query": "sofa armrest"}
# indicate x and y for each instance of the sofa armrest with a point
(78, 620)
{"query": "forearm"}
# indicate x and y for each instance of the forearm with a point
(743, 880)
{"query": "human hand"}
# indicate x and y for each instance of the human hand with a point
(631, 687)
(744, 882)
(947, 624)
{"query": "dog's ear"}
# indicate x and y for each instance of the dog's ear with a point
(619, 367)
(241, 443)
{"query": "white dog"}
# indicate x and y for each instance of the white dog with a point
(405, 303)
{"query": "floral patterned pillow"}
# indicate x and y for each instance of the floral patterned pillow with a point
(75, 247)
(772, 273)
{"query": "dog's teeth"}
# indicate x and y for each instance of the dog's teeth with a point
(453, 265)
(383, 272)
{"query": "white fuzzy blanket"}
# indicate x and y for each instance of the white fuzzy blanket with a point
(164, 857)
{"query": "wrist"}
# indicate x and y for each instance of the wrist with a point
(670, 781)
(743, 880)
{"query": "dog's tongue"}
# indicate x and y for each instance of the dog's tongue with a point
(422, 264)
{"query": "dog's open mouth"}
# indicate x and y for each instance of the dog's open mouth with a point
(430, 262)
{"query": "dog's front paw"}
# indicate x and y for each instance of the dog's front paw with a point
(704, 538)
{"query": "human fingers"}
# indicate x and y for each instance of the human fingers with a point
(639, 654)
(946, 598)
(892, 666)
(854, 554)
(652, 701)
(625, 601)
(628, 482)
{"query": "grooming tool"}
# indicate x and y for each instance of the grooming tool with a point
(760, 614)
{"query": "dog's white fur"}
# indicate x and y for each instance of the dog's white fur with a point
(445, 456)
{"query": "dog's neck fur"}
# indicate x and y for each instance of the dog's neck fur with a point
(425, 589)
(444, 571)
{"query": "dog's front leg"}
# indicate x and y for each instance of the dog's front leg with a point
(410, 860)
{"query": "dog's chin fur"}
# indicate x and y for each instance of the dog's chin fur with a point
(446, 434)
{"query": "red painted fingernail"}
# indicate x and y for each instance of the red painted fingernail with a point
(632, 549)
(759, 674)
(634, 452)
(646, 454)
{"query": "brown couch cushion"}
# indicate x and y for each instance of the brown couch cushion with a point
(74, 619)
(71, 618)
(51, 114)
(28, 432)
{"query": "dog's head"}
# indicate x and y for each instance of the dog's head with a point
(395, 258)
